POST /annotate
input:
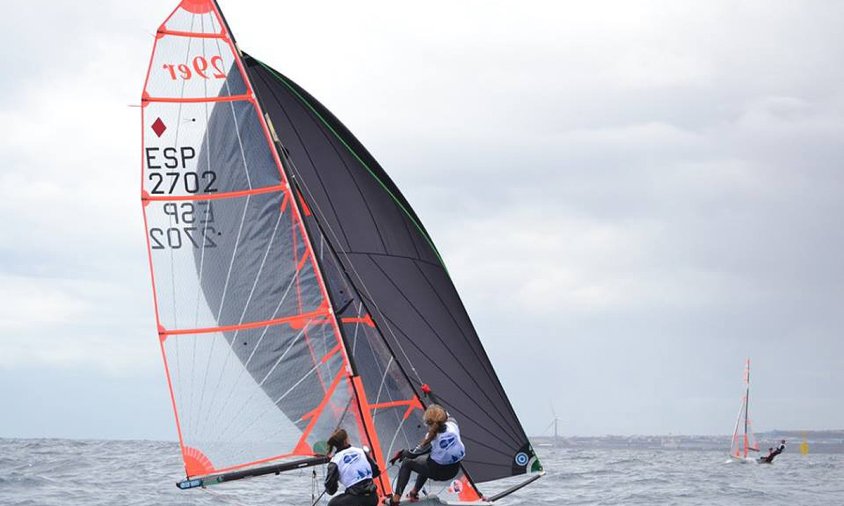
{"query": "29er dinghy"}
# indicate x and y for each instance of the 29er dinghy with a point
(743, 440)
(296, 290)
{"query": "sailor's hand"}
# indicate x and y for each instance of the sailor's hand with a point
(398, 456)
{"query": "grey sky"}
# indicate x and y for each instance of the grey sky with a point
(631, 197)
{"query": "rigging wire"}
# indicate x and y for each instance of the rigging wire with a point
(349, 262)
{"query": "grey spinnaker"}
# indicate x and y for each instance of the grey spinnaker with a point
(394, 267)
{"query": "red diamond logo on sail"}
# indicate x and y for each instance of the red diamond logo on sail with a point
(159, 127)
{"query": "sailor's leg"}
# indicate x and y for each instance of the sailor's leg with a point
(421, 478)
(441, 472)
(408, 466)
(425, 469)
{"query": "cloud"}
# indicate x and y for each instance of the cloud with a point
(74, 286)
(67, 323)
(28, 305)
(649, 189)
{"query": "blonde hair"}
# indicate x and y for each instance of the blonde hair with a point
(435, 418)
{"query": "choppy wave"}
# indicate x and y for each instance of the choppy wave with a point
(60, 472)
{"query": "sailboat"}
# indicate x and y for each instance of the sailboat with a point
(295, 289)
(743, 441)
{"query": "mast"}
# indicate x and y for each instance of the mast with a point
(746, 403)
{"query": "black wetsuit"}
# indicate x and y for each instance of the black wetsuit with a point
(419, 460)
(425, 468)
(770, 457)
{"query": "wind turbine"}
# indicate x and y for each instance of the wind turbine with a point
(554, 423)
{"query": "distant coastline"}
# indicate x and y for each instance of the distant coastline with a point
(820, 441)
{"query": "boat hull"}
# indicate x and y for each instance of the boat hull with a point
(744, 460)
(432, 499)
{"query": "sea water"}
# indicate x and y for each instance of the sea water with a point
(70, 472)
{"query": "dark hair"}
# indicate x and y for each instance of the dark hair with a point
(337, 440)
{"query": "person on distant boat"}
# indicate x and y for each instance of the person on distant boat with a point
(773, 452)
(438, 456)
(355, 469)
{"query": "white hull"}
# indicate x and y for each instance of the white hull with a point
(743, 460)
(432, 499)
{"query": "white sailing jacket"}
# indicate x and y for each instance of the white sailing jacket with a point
(447, 448)
(352, 465)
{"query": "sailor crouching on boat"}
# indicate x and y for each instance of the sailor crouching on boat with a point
(354, 469)
(438, 456)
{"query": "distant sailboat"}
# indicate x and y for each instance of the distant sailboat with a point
(555, 442)
(804, 446)
(744, 441)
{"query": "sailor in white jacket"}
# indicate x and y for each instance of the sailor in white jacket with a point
(355, 469)
(438, 456)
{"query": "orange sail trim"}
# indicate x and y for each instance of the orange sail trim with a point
(302, 447)
(199, 35)
(152, 271)
(145, 196)
(199, 100)
(305, 208)
(745, 445)
(410, 410)
(306, 317)
(331, 353)
(257, 462)
(414, 403)
(366, 320)
(303, 260)
(384, 486)
(173, 402)
(197, 6)
(196, 462)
